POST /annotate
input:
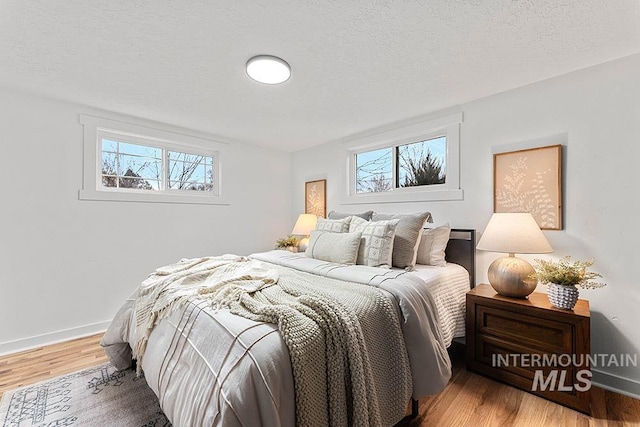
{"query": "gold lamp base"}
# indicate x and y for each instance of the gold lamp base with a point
(510, 276)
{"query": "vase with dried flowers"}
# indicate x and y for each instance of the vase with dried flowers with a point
(289, 244)
(563, 278)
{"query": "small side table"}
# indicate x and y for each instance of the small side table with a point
(529, 344)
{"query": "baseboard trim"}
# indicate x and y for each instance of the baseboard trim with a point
(615, 383)
(52, 338)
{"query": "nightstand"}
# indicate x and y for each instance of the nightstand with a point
(529, 344)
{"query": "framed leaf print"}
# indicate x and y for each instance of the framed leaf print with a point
(530, 181)
(315, 197)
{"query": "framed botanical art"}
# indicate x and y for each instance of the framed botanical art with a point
(530, 181)
(315, 197)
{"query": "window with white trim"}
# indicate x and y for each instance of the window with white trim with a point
(408, 163)
(402, 165)
(126, 162)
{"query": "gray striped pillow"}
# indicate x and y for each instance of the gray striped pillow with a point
(408, 232)
(339, 215)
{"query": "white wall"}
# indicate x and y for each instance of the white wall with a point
(598, 112)
(66, 265)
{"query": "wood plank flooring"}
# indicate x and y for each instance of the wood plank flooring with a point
(473, 400)
(468, 400)
(39, 364)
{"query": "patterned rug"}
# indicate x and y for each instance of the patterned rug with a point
(98, 396)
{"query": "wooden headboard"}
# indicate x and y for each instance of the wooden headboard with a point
(461, 249)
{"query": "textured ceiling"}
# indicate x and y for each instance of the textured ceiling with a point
(356, 64)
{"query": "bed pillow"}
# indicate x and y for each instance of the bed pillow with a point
(339, 215)
(333, 225)
(408, 232)
(376, 243)
(432, 245)
(341, 248)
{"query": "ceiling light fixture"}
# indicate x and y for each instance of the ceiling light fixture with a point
(268, 69)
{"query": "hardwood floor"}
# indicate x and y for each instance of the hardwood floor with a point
(473, 400)
(38, 364)
(468, 400)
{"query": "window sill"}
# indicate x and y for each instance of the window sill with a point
(113, 196)
(400, 197)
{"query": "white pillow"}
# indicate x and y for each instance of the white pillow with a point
(432, 245)
(376, 245)
(334, 225)
(341, 248)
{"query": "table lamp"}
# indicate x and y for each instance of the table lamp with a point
(304, 225)
(513, 233)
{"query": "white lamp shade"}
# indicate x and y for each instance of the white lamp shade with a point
(304, 225)
(514, 233)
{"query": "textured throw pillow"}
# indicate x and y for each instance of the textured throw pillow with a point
(432, 245)
(408, 232)
(339, 215)
(341, 248)
(334, 225)
(376, 244)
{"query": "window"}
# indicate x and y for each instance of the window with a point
(374, 171)
(190, 171)
(413, 162)
(140, 167)
(126, 162)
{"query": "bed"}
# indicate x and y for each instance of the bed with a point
(209, 366)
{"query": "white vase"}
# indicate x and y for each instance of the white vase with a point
(561, 296)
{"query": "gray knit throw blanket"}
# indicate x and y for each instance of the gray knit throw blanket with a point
(349, 362)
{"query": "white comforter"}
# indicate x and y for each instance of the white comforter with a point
(211, 367)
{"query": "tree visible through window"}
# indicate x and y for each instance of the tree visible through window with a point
(374, 171)
(190, 171)
(421, 163)
(415, 164)
(142, 167)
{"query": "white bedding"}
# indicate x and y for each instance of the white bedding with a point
(448, 286)
(211, 367)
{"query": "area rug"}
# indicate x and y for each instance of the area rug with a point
(97, 396)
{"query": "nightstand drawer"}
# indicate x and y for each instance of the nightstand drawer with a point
(527, 343)
(499, 354)
(535, 331)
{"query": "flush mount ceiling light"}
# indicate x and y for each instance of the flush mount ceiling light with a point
(268, 69)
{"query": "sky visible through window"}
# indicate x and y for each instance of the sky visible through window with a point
(417, 151)
(127, 165)
(374, 169)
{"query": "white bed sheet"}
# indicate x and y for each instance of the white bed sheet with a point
(448, 285)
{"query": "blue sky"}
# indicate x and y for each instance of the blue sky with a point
(147, 162)
(380, 161)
